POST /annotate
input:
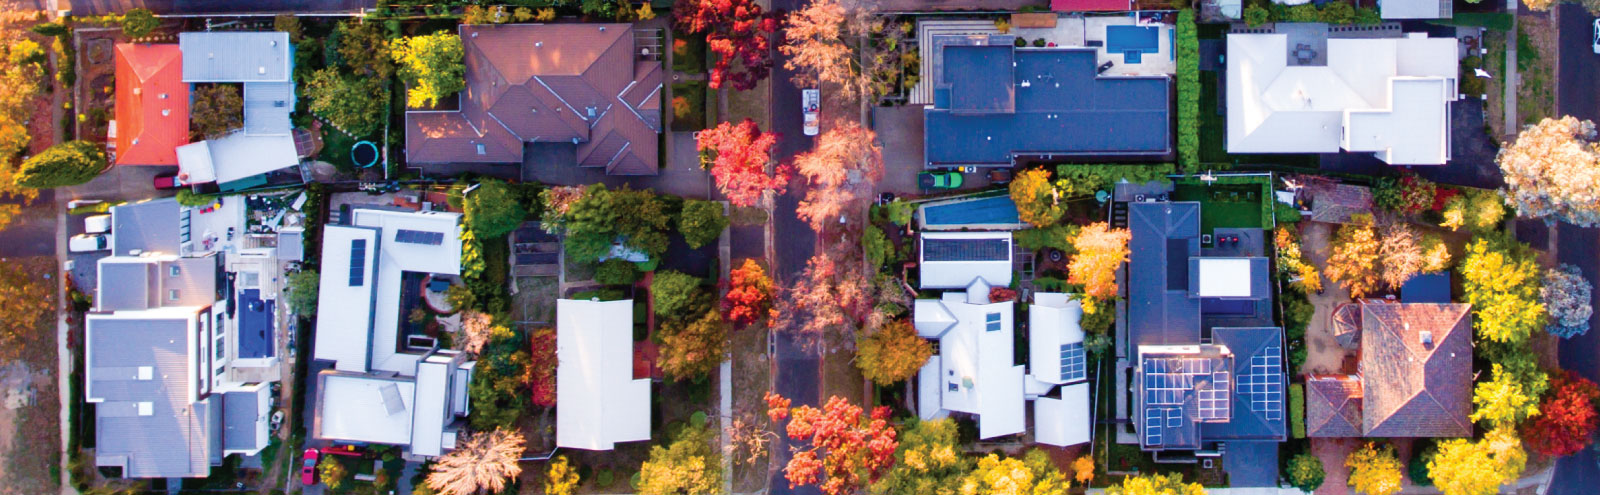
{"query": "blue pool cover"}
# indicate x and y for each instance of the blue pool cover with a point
(255, 325)
(994, 210)
(1132, 38)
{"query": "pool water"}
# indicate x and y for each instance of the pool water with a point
(995, 210)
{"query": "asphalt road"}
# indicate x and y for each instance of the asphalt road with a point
(1579, 97)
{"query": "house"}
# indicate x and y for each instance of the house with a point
(599, 401)
(152, 106)
(179, 373)
(1058, 357)
(389, 381)
(1207, 361)
(579, 87)
(1414, 379)
(264, 63)
(994, 103)
(1389, 97)
(1415, 9)
(954, 260)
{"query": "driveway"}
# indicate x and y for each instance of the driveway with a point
(1471, 154)
(681, 177)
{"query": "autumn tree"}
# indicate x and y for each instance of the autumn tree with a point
(1305, 472)
(816, 42)
(892, 354)
(1567, 418)
(431, 65)
(686, 466)
(1566, 295)
(556, 202)
(1478, 210)
(1374, 470)
(1100, 251)
(493, 209)
(356, 104)
(331, 472)
(541, 369)
(928, 461)
(692, 349)
(476, 328)
(839, 447)
(1501, 279)
(1435, 254)
(66, 164)
(1399, 254)
(1083, 470)
(1302, 274)
(215, 110)
(739, 32)
(1037, 200)
(701, 222)
(749, 297)
(1468, 467)
(1033, 474)
(1353, 263)
(1552, 171)
(1155, 484)
(1503, 401)
(738, 155)
(1406, 195)
(830, 299)
(560, 478)
(481, 462)
(842, 170)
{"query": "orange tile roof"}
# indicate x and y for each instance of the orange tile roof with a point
(152, 104)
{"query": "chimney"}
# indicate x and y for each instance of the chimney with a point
(1427, 339)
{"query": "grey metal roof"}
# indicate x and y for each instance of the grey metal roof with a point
(149, 226)
(194, 279)
(1159, 312)
(125, 284)
(235, 56)
(174, 440)
(291, 247)
(135, 283)
(266, 108)
(240, 415)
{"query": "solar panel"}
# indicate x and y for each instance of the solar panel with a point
(1264, 383)
(358, 262)
(1072, 362)
(1174, 417)
(966, 249)
(1152, 427)
(419, 237)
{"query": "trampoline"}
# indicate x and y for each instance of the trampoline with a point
(364, 154)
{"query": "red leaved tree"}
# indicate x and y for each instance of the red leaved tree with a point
(736, 30)
(749, 297)
(829, 301)
(738, 156)
(842, 169)
(1566, 417)
(542, 367)
(846, 448)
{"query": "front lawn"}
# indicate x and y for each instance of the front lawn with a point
(689, 52)
(688, 106)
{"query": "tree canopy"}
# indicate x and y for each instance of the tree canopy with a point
(1155, 484)
(1552, 171)
(737, 31)
(493, 209)
(431, 66)
(1503, 401)
(749, 297)
(66, 164)
(1305, 472)
(692, 348)
(1567, 418)
(1037, 200)
(701, 222)
(303, 286)
(1501, 278)
(839, 446)
(1468, 467)
(1353, 263)
(686, 466)
(1566, 295)
(842, 169)
(600, 217)
(217, 109)
(928, 461)
(1100, 250)
(481, 462)
(358, 105)
(1374, 470)
(738, 155)
(138, 23)
(892, 354)
(673, 293)
(1034, 474)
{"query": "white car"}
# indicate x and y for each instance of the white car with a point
(83, 243)
(810, 103)
(1596, 36)
(97, 224)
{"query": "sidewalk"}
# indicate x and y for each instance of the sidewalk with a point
(1512, 79)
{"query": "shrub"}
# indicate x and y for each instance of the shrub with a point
(1188, 73)
(1040, 42)
(1417, 467)
(616, 271)
(1297, 410)
(672, 292)
(1020, 42)
(701, 222)
(66, 164)
(1305, 472)
(493, 210)
(1255, 15)
(138, 23)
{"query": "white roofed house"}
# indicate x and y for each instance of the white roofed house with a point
(264, 63)
(1057, 360)
(387, 384)
(599, 402)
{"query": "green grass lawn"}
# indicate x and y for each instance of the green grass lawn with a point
(689, 52)
(688, 106)
(336, 148)
(1224, 205)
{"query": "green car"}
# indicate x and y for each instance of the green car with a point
(940, 179)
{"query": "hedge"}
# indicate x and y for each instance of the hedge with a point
(1188, 50)
(1297, 410)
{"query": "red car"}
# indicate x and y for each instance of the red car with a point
(167, 180)
(308, 469)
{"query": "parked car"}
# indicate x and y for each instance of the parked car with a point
(308, 468)
(97, 224)
(167, 180)
(810, 106)
(939, 179)
(84, 243)
(1597, 36)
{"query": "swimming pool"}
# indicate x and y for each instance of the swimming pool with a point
(255, 325)
(994, 213)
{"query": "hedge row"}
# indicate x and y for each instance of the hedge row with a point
(1188, 51)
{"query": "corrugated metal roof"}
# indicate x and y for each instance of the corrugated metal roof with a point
(152, 107)
(148, 226)
(235, 56)
(266, 108)
(173, 439)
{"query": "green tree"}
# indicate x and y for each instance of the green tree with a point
(616, 271)
(690, 350)
(701, 222)
(1255, 15)
(365, 50)
(303, 286)
(431, 66)
(358, 105)
(1155, 484)
(1036, 199)
(138, 23)
(891, 354)
(673, 293)
(601, 217)
(66, 164)
(216, 109)
(1188, 83)
(493, 209)
(929, 461)
(686, 466)
(1501, 278)
(1305, 472)
(288, 23)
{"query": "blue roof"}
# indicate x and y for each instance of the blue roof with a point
(1427, 288)
(1160, 311)
(997, 102)
(1260, 385)
(1251, 464)
(255, 325)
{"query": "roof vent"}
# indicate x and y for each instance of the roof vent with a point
(538, 44)
(474, 34)
(261, 69)
(602, 29)
(272, 42)
(165, 112)
(138, 91)
(162, 96)
(1427, 338)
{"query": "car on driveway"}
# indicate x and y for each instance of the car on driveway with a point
(167, 180)
(308, 468)
(939, 179)
(84, 243)
(810, 107)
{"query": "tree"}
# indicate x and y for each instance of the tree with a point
(1100, 251)
(1083, 470)
(616, 271)
(501, 381)
(1374, 470)
(1255, 15)
(701, 222)
(476, 330)
(1435, 254)
(1155, 484)
(672, 293)
(814, 41)
(1501, 279)
(138, 23)
(1305, 472)
(1539, 5)
(1467, 467)
(844, 151)
(541, 369)
(557, 201)
(560, 478)
(1302, 274)
(1353, 263)
(1406, 195)
(1566, 295)
(1031, 475)
(66, 164)
(1038, 201)
(332, 473)
(1503, 401)
(600, 217)
(493, 209)
(357, 105)
(738, 155)
(749, 297)
(365, 50)
(892, 354)
(1479, 210)
(1567, 417)
(303, 286)
(1552, 171)
(927, 462)
(431, 66)
(1400, 254)
(217, 109)
(692, 349)
(737, 31)
(288, 23)
(481, 462)
(831, 298)
(686, 466)
(846, 446)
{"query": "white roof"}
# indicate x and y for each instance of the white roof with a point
(1224, 277)
(960, 274)
(1065, 421)
(1412, 9)
(366, 408)
(977, 361)
(1052, 322)
(1277, 108)
(344, 316)
(235, 56)
(432, 405)
(598, 402)
(235, 156)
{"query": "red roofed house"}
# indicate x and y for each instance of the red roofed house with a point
(152, 109)
(1415, 376)
(579, 85)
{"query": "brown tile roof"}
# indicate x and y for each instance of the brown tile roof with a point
(1414, 389)
(575, 83)
(1333, 406)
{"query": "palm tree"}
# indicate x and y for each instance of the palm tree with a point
(482, 464)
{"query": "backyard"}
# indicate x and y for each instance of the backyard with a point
(1242, 206)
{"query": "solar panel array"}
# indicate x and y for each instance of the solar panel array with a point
(419, 237)
(1168, 383)
(358, 262)
(1264, 383)
(966, 249)
(1072, 362)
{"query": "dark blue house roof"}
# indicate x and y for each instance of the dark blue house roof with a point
(1427, 288)
(993, 101)
(1260, 381)
(1163, 238)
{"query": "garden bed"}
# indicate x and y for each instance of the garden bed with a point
(689, 106)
